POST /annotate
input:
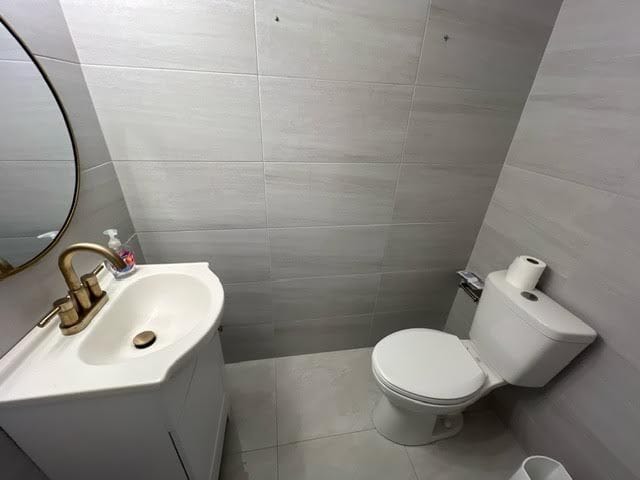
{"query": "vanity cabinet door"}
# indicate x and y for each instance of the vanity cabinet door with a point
(200, 430)
(118, 437)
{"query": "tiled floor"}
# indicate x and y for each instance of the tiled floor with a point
(308, 417)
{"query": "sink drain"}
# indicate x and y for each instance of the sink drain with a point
(144, 339)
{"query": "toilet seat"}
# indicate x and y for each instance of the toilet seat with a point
(428, 366)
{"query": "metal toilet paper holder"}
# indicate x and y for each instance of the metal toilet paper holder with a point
(471, 284)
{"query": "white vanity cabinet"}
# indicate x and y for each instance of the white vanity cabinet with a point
(173, 431)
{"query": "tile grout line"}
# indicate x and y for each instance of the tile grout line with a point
(288, 163)
(264, 168)
(413, 467)
(424, 39)
(303, 227)
(287, 77)
(395, 195)
(323, 437)
(266, 226)
(94, 167)
(347, 275)
(617, 193)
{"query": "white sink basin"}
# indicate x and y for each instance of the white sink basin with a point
(181, 303)
(168, 304)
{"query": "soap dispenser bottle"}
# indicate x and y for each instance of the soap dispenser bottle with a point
(125, 254)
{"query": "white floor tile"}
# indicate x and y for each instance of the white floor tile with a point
(324, 394)
(252, 421)
(255, 465)
(484, 450)
(355, 456)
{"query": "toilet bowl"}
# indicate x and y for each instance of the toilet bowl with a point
(429, 377)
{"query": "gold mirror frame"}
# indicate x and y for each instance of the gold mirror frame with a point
(74, 147)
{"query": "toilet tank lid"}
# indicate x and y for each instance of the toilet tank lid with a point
(544, 314)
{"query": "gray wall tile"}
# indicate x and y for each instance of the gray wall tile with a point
(443, 193)
(193, 195)
(602, 287)
(461, 315)
(592, 384)
(416, 290)
(453, 126)
(323, 297)
(247, 303)
(234, 255)
(295, 337)
(539, 418)
(74, 94)
(321, 251)
(103, 207)
(574, 151)
(557, 199)
(149, 114)
(247, 342)
(492, 45)
(355, 39)
(495, 251)
(42, 25)
(329, 194)
(428, 246)
(385, 323)
(583, 102)
(548, 215)
(320, 121)
(194, 35)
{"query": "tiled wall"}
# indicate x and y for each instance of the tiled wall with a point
(569, 193)
(26, 296)
(331, 159)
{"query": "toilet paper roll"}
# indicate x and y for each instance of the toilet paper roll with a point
(524, 272)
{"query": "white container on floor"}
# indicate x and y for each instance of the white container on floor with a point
(538, 467)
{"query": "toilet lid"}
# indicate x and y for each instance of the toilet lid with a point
(427, 365)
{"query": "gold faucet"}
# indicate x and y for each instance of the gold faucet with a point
(85, 298)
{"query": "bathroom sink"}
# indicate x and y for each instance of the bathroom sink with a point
(180, 303)
(168, 304)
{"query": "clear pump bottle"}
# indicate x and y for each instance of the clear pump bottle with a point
(125, 254)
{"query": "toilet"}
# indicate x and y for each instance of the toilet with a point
(428, 377)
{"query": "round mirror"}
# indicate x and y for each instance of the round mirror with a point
(38, 170)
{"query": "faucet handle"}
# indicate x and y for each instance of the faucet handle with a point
(90, 281)
(65, 309)
(96, 271)
(44, 321)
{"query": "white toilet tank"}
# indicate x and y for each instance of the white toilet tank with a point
(527, 341)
